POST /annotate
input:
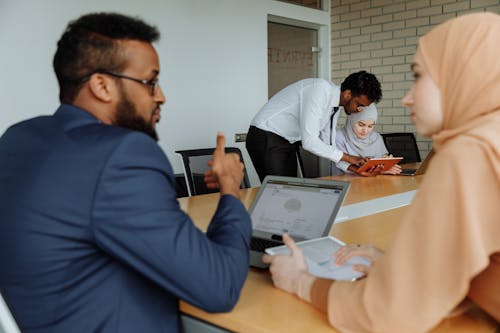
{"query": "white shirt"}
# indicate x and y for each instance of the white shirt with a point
(301, 112)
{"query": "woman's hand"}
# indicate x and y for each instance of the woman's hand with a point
(372, 172)
(367, 251)
(395, 170)
(286, 270)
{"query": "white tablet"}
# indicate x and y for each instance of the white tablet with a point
(319, 255)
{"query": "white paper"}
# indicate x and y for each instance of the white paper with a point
(319, 255)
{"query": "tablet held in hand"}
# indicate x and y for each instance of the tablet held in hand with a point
(387, 163)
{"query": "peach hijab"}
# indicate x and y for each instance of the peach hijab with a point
(450, 235)
(462, 57)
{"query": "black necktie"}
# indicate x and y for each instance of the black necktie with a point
(334, 109)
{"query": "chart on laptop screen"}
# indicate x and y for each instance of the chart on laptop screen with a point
(297, 210)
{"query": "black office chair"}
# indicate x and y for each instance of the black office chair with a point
(402, 145)
(309, 164)
(195, 164)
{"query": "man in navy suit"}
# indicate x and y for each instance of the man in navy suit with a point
(92, 238)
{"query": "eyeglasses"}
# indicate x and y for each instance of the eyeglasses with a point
(152, 83)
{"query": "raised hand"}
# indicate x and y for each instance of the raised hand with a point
(226, 170)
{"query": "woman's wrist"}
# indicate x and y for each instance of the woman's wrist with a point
(304, 286)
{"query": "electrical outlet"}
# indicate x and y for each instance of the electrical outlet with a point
(240, 137)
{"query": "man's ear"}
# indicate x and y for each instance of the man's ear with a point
(345, 97)
(101, 86)
(347, 94)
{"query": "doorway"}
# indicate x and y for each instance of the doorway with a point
(292, 55)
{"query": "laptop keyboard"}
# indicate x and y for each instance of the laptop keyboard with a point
(259, 244)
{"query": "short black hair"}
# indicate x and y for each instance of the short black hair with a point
(91, 43)
(363, 83)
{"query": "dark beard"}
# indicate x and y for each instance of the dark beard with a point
(126, 116)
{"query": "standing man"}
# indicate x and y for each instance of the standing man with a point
(306, 111)
(92, 238)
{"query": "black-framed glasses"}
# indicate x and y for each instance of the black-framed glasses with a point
(152, 83)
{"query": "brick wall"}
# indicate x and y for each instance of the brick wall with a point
(381, 36)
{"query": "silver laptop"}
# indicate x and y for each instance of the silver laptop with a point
(421, 169)
(302, 207)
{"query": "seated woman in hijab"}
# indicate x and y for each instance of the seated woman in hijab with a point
(447, 248)
(358, 138)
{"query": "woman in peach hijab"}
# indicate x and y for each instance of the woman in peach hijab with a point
(447, 248)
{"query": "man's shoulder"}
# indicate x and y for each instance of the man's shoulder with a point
(91, 135)
(36, 128)
(136, 139)
(315, 81)
(31, 122)
(318, 84)
(133, 147)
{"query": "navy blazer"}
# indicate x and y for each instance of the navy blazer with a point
(92, 238)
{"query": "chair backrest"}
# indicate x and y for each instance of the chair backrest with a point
(7, 322)
(309, 164)
(402, 145)
(194, 162)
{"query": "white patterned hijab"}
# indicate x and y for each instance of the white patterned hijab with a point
(373, 144)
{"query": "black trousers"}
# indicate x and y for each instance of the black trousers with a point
(271, 154)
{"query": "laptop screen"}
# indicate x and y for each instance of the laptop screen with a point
(301, 208)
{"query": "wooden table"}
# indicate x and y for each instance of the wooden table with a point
(264, 308)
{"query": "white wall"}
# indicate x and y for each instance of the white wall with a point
(213, 56)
